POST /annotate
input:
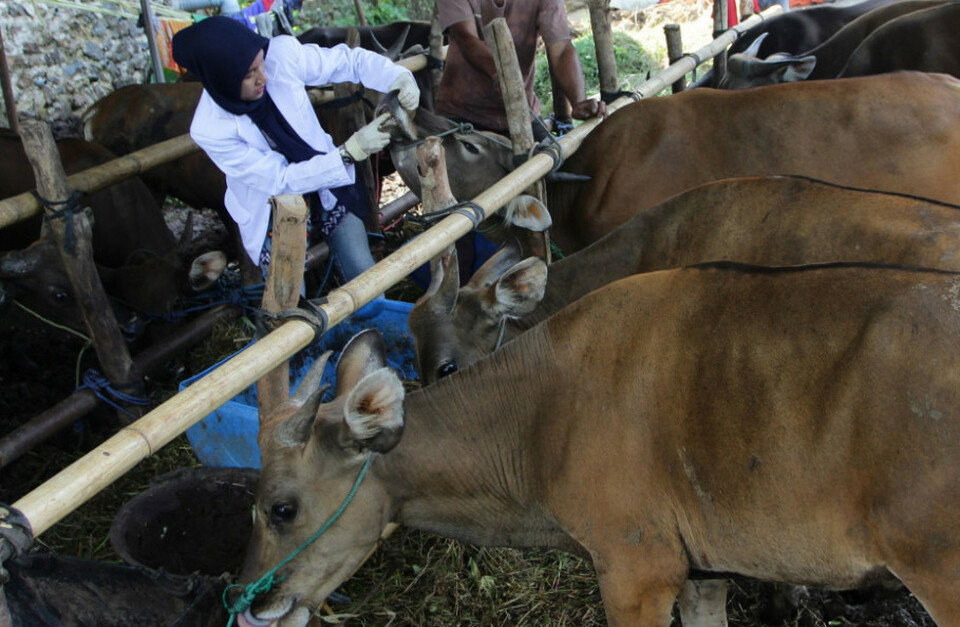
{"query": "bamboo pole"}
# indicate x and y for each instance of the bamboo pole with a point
(146, 14)
(83, 479)
(282, 288)
(24, 205)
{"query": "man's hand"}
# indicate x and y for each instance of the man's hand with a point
(586, 109)
(368, 140)
(409, 95)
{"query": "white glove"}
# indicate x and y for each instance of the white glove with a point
(409, 95)
(368, 140)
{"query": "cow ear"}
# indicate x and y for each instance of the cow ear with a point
(527, 212)
(441, 295)
(521, 288)
(206, 269)
(799, 69)
(499, 262)
(373, 413)
(363, 354)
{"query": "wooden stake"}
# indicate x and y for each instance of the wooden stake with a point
(282, 289)
(719, 26)
(674, 52)
(76, 252)
(603, 43)
(83, 479)
(7, 86)
(498, 37)
(434, 184)
(436, 51)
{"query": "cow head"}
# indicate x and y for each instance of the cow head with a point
(149, 284)
(312, 455)
(745, 69)
(453, 327)
(475, 159)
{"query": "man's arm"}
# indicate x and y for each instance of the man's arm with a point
(474, 49)
(565, 62)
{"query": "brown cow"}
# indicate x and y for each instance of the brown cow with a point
(140, 263)
(913, 19)
(760, 220)
(794, 424)
(893, 132)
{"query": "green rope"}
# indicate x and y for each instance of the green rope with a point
(555, 250)
(265, 583)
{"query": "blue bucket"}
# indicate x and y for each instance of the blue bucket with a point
(228, 436)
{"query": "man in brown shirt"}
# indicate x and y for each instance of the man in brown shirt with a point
(470, 89)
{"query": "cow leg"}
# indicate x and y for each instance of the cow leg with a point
(703, 603)
(637, 590)
(939, 595)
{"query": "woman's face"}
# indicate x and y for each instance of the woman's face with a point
(255, 81)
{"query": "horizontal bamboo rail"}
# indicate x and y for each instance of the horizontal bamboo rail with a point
(83, 479)
(22, 206)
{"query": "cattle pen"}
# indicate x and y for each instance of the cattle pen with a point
(49, 503)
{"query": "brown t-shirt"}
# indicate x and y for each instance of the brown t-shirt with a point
(470, 94)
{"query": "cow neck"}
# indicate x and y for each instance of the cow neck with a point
(467, 473)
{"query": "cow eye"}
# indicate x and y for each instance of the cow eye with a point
(283, 512)
(470, 147)
(446, 369)
(60, 296)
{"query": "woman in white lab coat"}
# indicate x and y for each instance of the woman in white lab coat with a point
(255, 121)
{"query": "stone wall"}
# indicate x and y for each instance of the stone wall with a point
(61, 60)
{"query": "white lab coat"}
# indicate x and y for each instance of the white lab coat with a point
(254, 171)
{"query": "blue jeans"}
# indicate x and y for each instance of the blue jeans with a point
(350, 248)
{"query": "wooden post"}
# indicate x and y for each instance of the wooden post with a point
(361, 18)
(434, 184)
(147, 15)
(719, 26)
(282, 289)
(498, 37)
(77, 254)
(603, 42)
(8, 101)
(674, 52)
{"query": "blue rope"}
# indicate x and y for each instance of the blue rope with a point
(223, 293)
(99, 385)
(265, 583)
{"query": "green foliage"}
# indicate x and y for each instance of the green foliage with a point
(343, 13)
(630, 56)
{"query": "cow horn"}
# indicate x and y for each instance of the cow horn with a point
(311, 380)
(187, 235)
(753, 50)
(499, 262)
(394, 52)
(441, 295)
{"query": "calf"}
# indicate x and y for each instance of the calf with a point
(798, 424)
(773, 221)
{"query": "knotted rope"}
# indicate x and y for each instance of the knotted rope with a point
(102, 389)
(62, 210)
(265, 583)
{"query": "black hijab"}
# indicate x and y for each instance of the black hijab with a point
(219, 51)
